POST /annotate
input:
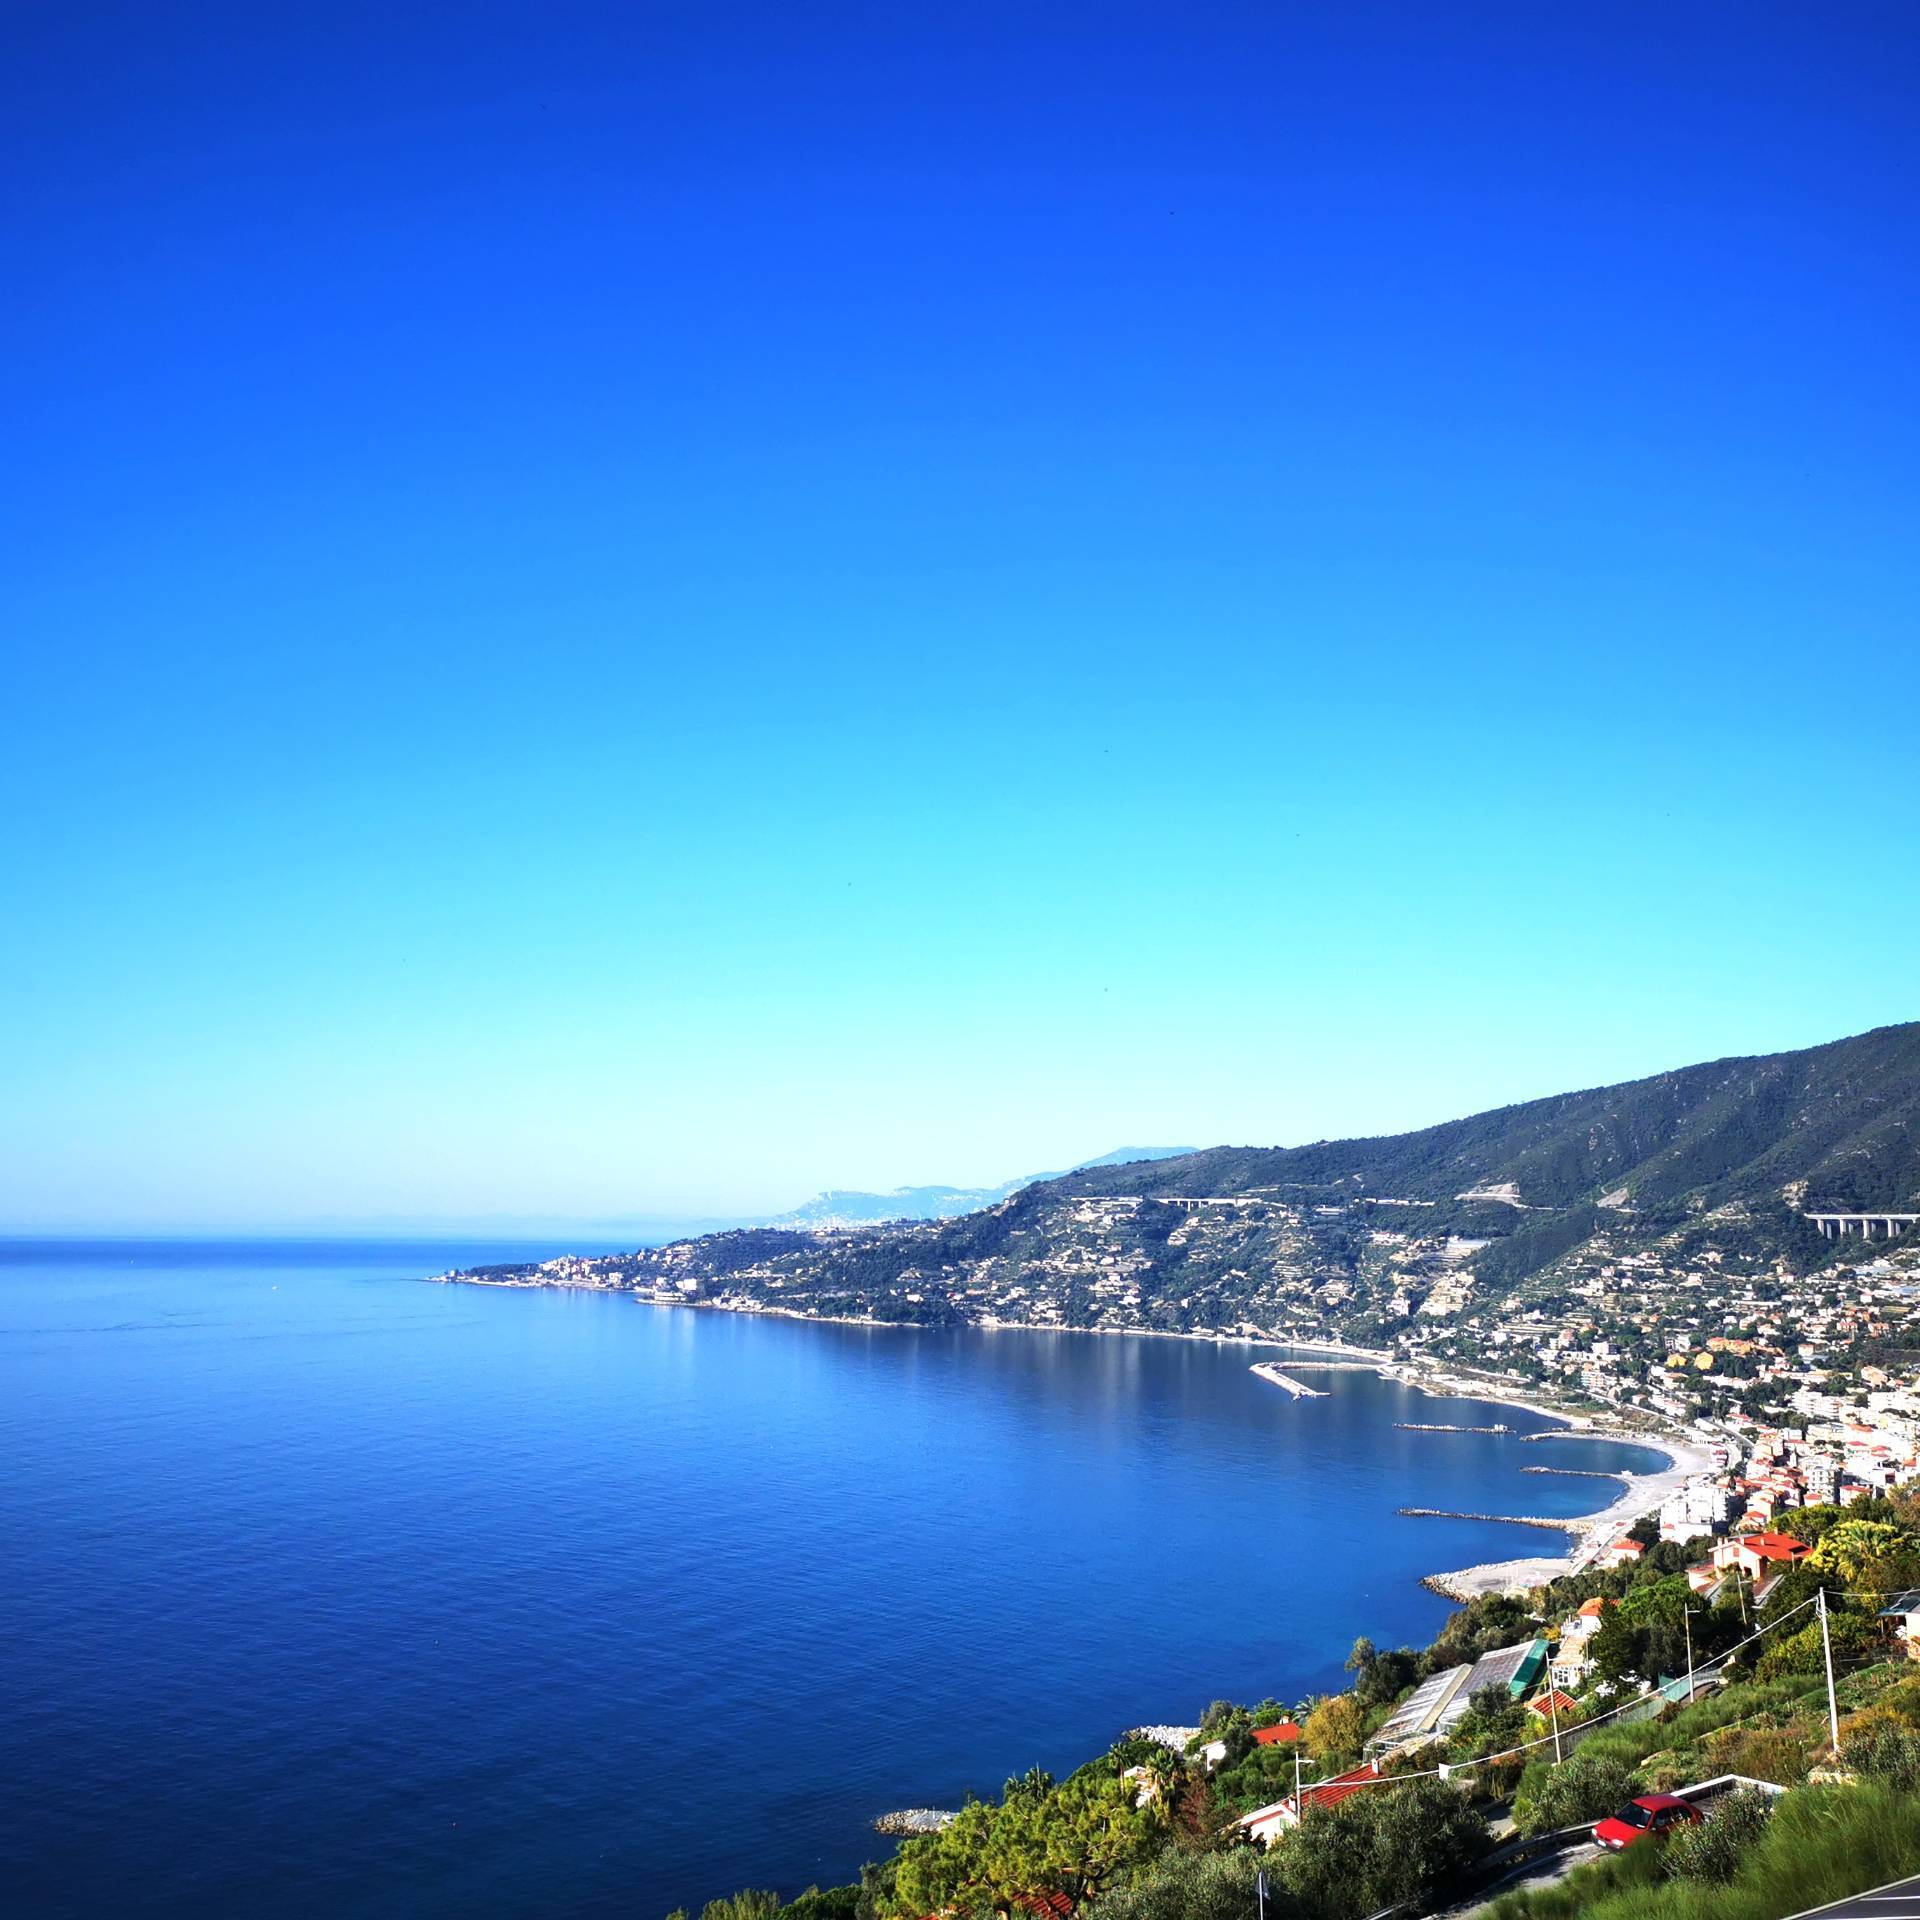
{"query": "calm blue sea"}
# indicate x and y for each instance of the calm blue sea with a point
(327, 1591)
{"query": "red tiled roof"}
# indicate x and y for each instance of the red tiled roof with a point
(1054, 1904)
(1281, 1733)
(1774, 1546)
(1343, 1786)
(1553, 1703)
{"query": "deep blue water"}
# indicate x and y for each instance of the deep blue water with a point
(327, 1591)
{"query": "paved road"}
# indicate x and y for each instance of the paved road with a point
(1900, 1901)
(1533, 1875)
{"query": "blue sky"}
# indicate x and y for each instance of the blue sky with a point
(620, 611)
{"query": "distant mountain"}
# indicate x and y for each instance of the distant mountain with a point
(840, 1207)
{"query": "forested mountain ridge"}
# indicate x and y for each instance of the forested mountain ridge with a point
(1545, 1207)
(1844, 1119)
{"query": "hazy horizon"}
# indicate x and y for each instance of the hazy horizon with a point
(646, 1221)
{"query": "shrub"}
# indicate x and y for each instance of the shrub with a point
(1499, 1779)
(1903, 1698)
(1080, 1836)
(1801, 1652)
(1218, 1718)
(756, 1903)
(1715, 1850)
(1385, 1845)
(1764, 1753)
(823, 1903)
(1197, 1886)
(1336, 1727)
(1821, 1844)
(1883, 1749)
(1587, 1787)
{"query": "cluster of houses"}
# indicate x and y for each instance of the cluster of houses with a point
(1430, 1713)
(1835, 1461)
(1559, 1669)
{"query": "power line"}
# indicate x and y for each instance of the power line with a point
(1446, 1769)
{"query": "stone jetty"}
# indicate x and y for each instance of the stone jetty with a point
(911, 1820)
(1274, 1377)
(1501, 1519)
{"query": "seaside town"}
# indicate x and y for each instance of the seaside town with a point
(1716, 1653)
(1769, 1390)
(1722, 1657)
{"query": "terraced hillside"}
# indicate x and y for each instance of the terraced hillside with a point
(1358, 1237)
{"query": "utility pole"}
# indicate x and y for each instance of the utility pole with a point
(1686, 1624)
(1826, 1650)
(1553, 1713)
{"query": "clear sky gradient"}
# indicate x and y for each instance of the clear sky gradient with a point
(642, 609)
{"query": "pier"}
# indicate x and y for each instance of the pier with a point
(1275, 1378)
(1435, 1426)
(1579, 1473)
(1498, 1519)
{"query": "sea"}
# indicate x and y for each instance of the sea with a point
(328, 1590)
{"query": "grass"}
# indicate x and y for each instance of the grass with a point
(1684, 1746)
(1633, 1743)
(1822, 1844)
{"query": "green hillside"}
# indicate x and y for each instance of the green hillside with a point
(1388, 1239)
(1843, 1118)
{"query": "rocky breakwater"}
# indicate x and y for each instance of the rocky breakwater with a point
(1268, 1372)
(912, 1820)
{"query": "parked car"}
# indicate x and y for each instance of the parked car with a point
(1655, 1813)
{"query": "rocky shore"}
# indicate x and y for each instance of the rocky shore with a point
(912, 1820)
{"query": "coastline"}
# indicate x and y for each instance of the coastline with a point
(1589, 1533)
(1592, 1533)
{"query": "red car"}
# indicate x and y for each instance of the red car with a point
(1652, 1813)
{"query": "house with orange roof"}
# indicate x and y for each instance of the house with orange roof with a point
(1761, 1556)
(1283, 1733)
(1554, 1705)
(1267, 1824)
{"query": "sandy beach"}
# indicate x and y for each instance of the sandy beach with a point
(1592, 1533)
